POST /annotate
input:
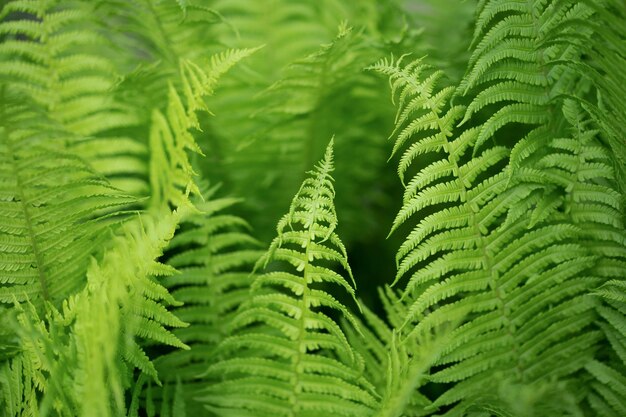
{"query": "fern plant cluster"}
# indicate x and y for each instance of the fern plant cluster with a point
(199, 214)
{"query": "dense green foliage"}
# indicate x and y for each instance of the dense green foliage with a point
(199, 213)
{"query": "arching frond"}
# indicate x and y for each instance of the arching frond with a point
(493, 252)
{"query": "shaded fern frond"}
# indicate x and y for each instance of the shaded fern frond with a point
(214, 255)
(398, 366)
(292, 119)
(50, 54)
(287, 354)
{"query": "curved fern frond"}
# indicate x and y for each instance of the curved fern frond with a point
(493, 253)
(170, 133)
(53, 209)
(287, 354)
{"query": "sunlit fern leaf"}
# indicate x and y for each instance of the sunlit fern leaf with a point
(287, 356)
(141, 298)
(99, 357)
(177, 47)
(527, 57)
(53, 208)
(81, 364)
(583, 187)
(168, 62)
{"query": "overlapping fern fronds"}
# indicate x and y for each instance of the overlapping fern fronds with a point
(54, 207)
(276, 114)
(498, 252)
(214, 256)
(125, 290)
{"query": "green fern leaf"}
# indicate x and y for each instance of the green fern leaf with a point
(287, 355)
(53, 210)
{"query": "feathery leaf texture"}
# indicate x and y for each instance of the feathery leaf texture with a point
(127, 288)
(214, 256)
(287, 354)
(53, 209)
(479, 254)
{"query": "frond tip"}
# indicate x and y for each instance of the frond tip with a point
(286, 354)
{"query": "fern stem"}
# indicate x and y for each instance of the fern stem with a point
(303, 303)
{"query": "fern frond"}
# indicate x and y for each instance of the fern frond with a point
(58, 55)
(527, 57)
(214, 256)
(398, 368)
(53, 209)
(50, 55)
(287, 355)
(483, 259)
(83, 361)
(290, 120)
(173, 129)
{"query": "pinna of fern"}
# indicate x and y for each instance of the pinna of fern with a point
(286, 355)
